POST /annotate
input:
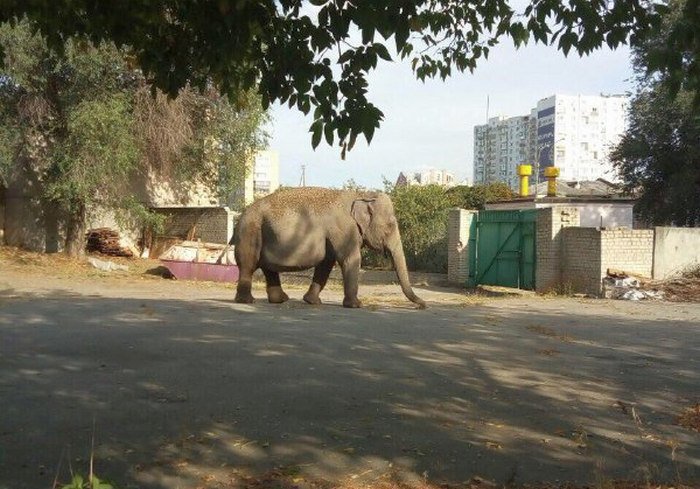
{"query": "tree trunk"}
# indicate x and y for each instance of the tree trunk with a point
(75, 230)
(395, 248)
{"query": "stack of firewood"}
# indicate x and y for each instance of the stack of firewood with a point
(106, 241)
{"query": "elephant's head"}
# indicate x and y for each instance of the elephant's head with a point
(380, 231)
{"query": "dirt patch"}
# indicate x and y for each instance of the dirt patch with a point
(690, 418)
(291, 478)
(58, 264)
(544, 331)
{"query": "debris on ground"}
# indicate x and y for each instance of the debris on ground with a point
(619, 284)
(200, 252)
(106, 266)
(107, 242)
(678, 289)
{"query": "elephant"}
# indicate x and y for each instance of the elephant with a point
(313, 227)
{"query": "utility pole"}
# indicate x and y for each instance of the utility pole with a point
(302, 182)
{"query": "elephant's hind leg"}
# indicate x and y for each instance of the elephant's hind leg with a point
(247, 260)
(244, 293)
(321, 274)
(275, 294)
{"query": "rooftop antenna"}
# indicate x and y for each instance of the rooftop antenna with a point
(487, 108)
(302, 182)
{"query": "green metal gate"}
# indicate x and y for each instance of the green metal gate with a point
(502, 249)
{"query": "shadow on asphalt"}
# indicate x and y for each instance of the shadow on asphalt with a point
(185, 393)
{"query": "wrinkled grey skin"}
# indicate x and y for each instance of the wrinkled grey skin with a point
(302, 228)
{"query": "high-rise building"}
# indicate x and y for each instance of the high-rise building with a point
(262, 179)
(500, 146)
(576, 133)
(266, 173)
(427, 176)
(572, 132)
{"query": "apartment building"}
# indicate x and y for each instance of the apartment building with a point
(500, 146)
(427, 176)
(262, 179)
(572, 132)
(577, 132)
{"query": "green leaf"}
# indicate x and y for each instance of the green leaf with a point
(316, 130)
(382, 51)
(346, 56)
(369, 133)
(328, 131)
(76, 483)
(401, 35)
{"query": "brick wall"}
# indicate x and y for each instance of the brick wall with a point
(581, 260)
(460, 222)
(631, 250)
(548, 246)
(587, 253)
(210, 224)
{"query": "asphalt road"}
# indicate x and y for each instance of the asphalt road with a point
(180, 387)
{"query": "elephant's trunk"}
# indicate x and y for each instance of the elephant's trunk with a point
(395, 248)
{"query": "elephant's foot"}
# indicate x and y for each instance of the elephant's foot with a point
(244, 298)
(352, 302)
(275, 295)
(313, 299)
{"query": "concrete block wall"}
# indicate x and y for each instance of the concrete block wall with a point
(548, 245)
(458, 228)
(587, 254)
(210, 224)
(581, 260)
(675, 250)
(631, 250)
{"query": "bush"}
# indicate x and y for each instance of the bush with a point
(422, 215)
(476, 196)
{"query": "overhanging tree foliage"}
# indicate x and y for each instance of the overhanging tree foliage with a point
(658, 158)
(78, 128)
(316, 55)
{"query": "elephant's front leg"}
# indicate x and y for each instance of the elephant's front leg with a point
(275, 294)
(321, 274)
(351, 276)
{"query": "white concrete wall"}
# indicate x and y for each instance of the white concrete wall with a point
(614, 215)
(675, 249)
(606, 215)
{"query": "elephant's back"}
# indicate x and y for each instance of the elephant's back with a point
(302, 199)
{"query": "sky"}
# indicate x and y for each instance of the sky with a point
(431, 124)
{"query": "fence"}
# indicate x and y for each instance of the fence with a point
(577, 258)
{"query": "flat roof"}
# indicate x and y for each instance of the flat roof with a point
(566, 200)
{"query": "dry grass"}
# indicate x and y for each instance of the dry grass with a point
(60, 265)
(550, 333)
(293, 478)
(690, 418)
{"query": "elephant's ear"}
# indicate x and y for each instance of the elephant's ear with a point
(362, 213)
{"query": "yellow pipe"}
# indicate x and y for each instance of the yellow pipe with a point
(551, 173)
(524, 171)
